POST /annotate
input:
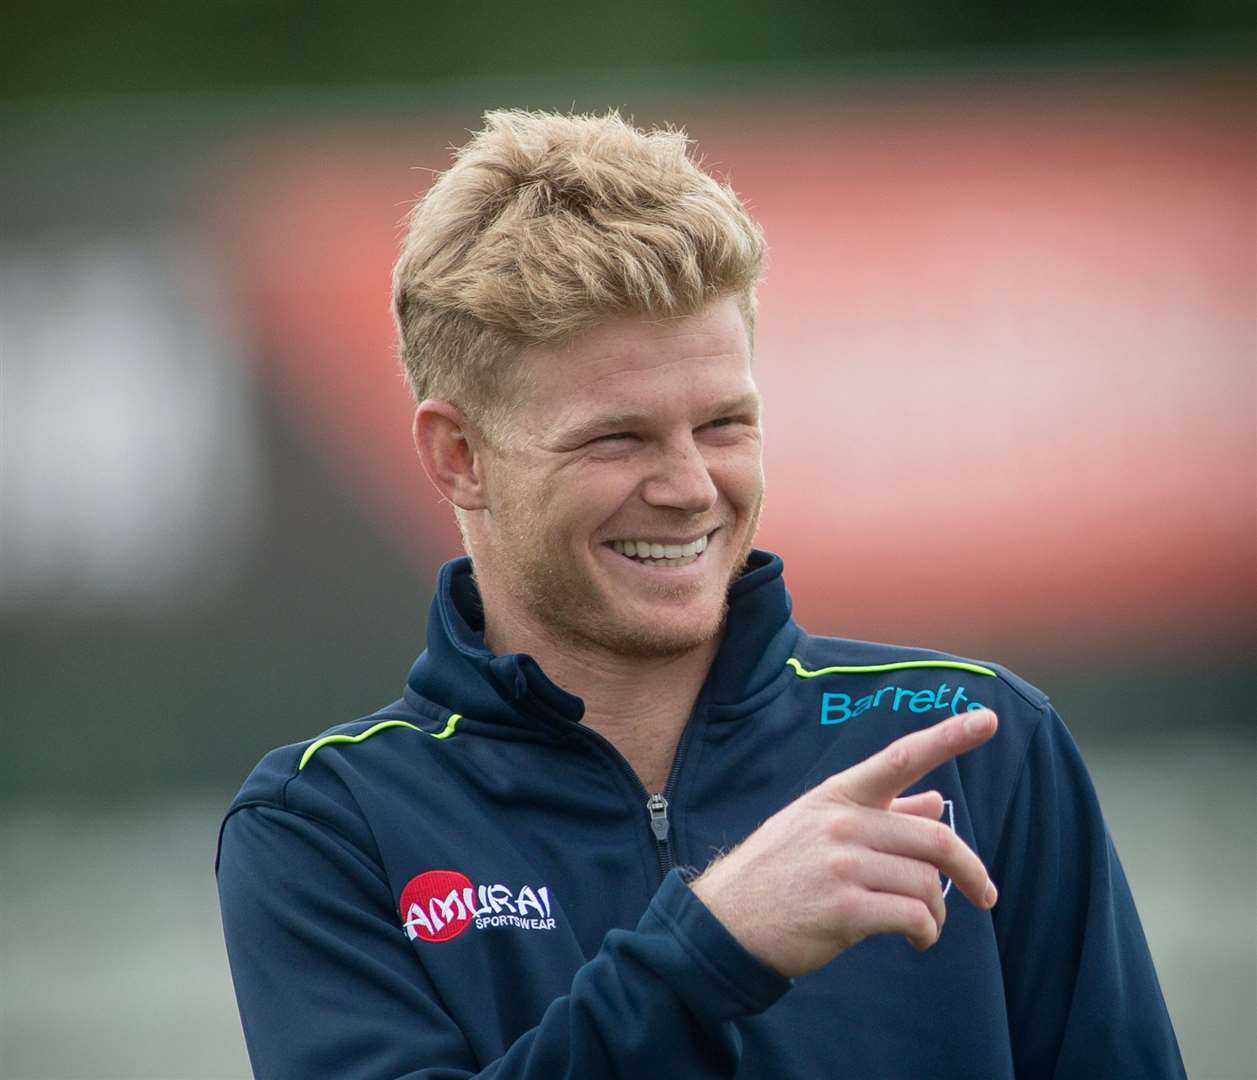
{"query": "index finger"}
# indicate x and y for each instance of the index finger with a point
(875, 781)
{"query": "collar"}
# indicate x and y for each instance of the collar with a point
(459, 672)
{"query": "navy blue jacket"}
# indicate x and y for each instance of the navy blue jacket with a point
(470, 882)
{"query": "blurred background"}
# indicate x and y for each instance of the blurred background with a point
(1007, 345)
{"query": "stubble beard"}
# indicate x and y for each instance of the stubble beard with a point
(577, 615)
(570, 609)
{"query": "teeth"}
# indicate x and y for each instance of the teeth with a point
(669, 562)
(661, 554)
(694, 547)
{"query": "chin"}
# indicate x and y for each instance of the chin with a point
(660, 637)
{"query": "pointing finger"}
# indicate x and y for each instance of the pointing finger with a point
(876, 781)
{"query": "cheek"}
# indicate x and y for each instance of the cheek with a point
(594, 496)
(517, 504)
(740, 478)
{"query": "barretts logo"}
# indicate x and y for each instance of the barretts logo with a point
(839, 708)
(438, 905)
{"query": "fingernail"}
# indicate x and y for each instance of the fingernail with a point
(991, 895)
(977, 722)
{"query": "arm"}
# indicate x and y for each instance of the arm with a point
(328, 985)
(1083, 997)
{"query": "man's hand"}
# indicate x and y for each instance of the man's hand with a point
(849, 859)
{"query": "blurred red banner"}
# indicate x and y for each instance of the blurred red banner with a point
(1006, 347)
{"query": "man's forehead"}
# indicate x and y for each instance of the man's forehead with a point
(631, 370)
(622, 347)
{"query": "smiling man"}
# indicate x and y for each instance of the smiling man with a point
(628, 488)
(621, 822)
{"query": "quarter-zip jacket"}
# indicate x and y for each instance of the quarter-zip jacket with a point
(471, 883)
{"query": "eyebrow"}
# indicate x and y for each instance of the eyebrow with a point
(605, 423)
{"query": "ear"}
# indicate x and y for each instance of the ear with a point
(451, 451)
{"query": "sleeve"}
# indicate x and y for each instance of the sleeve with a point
(1082, 994)
(328, 986)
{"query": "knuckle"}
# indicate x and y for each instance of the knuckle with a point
(846, 863)
(898, 756)
(942, 839)
(846, 903)
(842, 827)
(845, 906)
(928, 882)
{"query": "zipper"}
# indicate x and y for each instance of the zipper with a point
(657, 804)
(657, 808)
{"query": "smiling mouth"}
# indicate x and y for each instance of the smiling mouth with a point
(648, 553)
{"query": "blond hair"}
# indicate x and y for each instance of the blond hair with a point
(546, 224)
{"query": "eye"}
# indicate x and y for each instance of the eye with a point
(615, 436)
(724, 422)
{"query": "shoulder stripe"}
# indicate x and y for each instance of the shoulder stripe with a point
(902, 665)
(329, 740)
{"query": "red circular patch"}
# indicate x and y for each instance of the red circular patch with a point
(437, 905)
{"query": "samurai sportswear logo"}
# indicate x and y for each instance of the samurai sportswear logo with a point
(440, 904)
(838, 708)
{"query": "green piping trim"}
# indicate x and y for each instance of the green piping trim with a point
(902, 665)
(329, 740)
(448, 730)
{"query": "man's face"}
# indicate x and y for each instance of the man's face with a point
(643, 432)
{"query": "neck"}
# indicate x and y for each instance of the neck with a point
(640, 704)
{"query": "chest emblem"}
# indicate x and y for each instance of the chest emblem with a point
(838, 708)
(438, 905)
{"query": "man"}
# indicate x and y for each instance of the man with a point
(499, 875)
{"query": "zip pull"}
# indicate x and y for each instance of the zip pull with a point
(657, 807)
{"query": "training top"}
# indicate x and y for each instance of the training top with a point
(472, 883)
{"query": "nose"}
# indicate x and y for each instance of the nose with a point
(681, 479)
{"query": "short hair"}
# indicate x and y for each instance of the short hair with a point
(546, 224)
